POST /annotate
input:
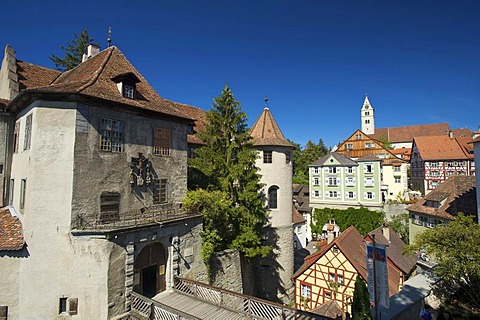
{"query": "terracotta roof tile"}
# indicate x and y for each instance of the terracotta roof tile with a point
(266, 132)
(329, 309)
(456, 194)
(407, 133)
(11, 234)
(467, 148)
(94, 78)
(439, 148)
(297, 217)
(462, 132)
(200, 117)
(368, 157)
(477, 139)
(32, 76)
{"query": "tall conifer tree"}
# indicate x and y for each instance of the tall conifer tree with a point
(361, 301)
(73, 52)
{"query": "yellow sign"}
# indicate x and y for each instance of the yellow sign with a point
(161, 270)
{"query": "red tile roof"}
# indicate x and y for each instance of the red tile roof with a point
(439, 148)
(456, 194)
(407, 133)
(200, 117)
(32, 76)
(11, 234)
(93, 78)
(266, 132)
(297, 217)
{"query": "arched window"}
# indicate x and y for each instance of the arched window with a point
(272, 197)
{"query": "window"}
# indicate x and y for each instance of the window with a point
(315, 170)
(430, 223)
(369, 145)
(109, 207)
(10, 191)
(111, 135)
(160, 187)
(161, 142)
(16, 137)
(350, 170)
(288, 157)
(358, 136)
(332, 276)
(306, 290)
(397, 169)
(332, 194)
(367, 113)
(351, 195)
(316, 181)
(62, 305)
(332, 182)
(328, 295)
(369, 195)
(23, 189)
(350, 181)
(316, 193)
(267, 157)
(369, 182)
(332, 169)
(416, 219)
(28, 132)
(340, 279)
(73, 306)
(368, 168)
(128, 90)
(398, 180)
(367, 121)
(272, 197)
(349, 146)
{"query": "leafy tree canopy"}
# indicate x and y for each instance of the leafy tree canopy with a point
(73, 52)
(386, 143)
(361, 301)
(232, 207)
(454, 246)
(302, 158)
(362, 219)
(399, 224)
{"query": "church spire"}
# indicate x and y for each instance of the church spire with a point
(367, 116)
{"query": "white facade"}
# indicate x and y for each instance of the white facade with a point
(395, 181)
(367, 116)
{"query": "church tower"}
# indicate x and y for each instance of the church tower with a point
(275, 163)
(367, 116)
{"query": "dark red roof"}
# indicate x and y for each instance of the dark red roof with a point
(297, 217)
(266, 132)
(11, 234)
(200, 117)
(32, 76)
(407, 133)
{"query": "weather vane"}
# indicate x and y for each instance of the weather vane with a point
(266, 101)
(109, 39)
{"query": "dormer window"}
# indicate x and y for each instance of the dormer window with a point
(126, 84)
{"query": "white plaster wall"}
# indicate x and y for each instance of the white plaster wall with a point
(400, 145)
(9, 266)
(58, 265)
(389, 179)
(300, 231)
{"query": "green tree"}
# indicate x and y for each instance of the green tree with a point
(306, 156)
(386, 143)
(399, 224)
(227, 160)
(361, 301)
(73, 52)
(362, 219)
(454, 246)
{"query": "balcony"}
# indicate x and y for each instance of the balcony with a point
(154, 215)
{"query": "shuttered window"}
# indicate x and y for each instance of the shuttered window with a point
(16, 137)
(161, 190)
(111, 135)
(109, 206)
(28, 133)
(73, 306)
(161, 142)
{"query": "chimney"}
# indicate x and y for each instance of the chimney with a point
(92, 51)
(386, 231)
(450, 134)
(330, 236)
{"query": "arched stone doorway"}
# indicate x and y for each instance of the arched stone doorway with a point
(150, 269)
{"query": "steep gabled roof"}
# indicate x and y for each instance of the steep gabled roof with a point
(93, 78)
(266, 132)
(297, 218)
(11, 234)
(462, 132)
(407, 133)
(31, 76)
(456, 194)
(467, 148)
(439, 148)
(301, 197)
(369, 157)
(337, 156)
(406, 263)
(200, 117)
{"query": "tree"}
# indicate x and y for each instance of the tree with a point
(454, 246)
(362, 219)
(361, 301)
(73, 52)
(386, 143)
(303, 158)
(399, 224)
(232, 206)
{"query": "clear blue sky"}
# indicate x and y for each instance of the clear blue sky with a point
(419, 61)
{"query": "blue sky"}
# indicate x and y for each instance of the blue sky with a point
(419, 61)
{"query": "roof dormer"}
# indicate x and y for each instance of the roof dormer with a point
(126, 84)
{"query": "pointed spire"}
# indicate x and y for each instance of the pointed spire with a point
(366, 102)
(266, 132)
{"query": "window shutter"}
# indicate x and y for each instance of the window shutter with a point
(373, 195)
(73, 306)
(326, 169)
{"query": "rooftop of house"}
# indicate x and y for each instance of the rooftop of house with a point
(266, 132)
(301, 197)
(442, 147)
(456, 194)
(297, 217)
(407, 133)
(96, 78)
(11, 233)
(200, 117)
(3, 104)
(330, 309)
(395, 244)
(342, 160)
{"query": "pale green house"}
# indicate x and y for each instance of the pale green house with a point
(337, 181)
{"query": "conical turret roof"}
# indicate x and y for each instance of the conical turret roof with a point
(266, 132)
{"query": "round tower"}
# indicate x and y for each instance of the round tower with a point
(275, 163)
(368, 119)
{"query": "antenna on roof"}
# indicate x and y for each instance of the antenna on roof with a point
(266, 102)
(109, 38)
